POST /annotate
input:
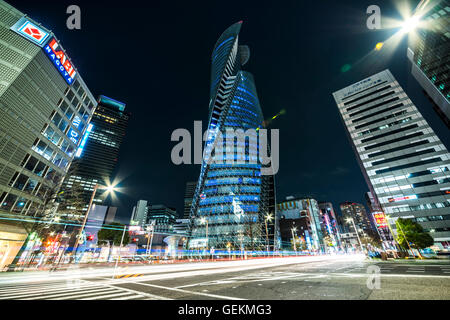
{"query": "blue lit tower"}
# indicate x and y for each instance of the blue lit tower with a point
(231, 201)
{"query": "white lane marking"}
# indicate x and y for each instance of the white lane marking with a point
(45, 289)
(137, 296)
(30, 294)
(391, 275)
(251, 278)
(190, 292)
(77, 296)
(148, 295)
(71, 295)
(120, 294)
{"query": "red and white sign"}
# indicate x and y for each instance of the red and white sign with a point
(31, 31)
(380, 219)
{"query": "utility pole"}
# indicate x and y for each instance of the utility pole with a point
(357, 235)
(77, 241)
(120, 250)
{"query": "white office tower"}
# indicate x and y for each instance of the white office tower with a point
(139, 215)
(403, 161)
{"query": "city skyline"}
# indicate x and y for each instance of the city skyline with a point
(331, 172)
(224, 151)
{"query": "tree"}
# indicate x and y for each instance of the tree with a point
(370, 239)
(113, 235)
(412, 232)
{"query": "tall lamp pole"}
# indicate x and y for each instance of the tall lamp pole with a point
(109, 188)
(294, 229)
(205, 221)
(75, 247)
(356, 230)
(267, 218)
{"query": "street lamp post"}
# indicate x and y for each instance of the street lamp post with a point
(109, 188)
(120, 251)
(150, 238)
(294, 229)
(356, 230)
(396, 244)
(267, 218)
(205, 221)
(77, 241)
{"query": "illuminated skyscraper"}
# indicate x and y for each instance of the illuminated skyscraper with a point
(429, 53)
(45, 108)
(234, 204)
(405, 164)
(188, 196)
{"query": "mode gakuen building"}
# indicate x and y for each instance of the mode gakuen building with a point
(234, 204)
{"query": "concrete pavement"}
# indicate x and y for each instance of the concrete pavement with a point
(302, 278)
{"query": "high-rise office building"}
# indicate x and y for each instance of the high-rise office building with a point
(358, 213)
(405, 164)
(162, 217)
(45, 109)
(329, 222)
(232, 200)
(139, 214)
(304, 215)
(429, 53)
(188, 197)
(99, 153)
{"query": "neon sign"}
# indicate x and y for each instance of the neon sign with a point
(83, 142)
(413, 197)
(380, 219)
(30, 31)
(60, 60)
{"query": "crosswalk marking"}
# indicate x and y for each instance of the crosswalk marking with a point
(137, 296)
(107, 296)
(38, 291)
(84, 290)
(72, 294)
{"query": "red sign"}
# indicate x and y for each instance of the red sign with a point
(380, 219)
(60, 60)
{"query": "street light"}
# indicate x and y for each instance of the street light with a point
(109, 189)
(410, 24)
(203, 221)
(150, 237)
(267, 218)
(350, 220)
(294, 229)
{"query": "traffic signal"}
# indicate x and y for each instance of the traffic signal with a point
(90, 238)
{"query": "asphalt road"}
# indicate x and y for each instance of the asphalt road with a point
(305, 278)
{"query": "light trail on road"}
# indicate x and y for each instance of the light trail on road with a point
(153, 272)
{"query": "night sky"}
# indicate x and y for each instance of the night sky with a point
(155, 56)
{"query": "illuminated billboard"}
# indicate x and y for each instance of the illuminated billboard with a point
(380, 219)
(60, 60)
(31, 31)
(83, 142)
